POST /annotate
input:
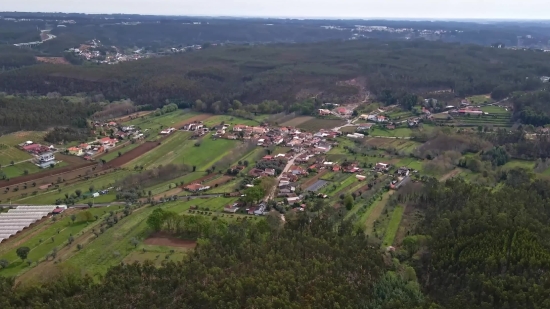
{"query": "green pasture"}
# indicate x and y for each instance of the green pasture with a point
(393, 225)
(55, 235)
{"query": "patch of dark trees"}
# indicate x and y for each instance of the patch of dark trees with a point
(290, 74)
(29, 113)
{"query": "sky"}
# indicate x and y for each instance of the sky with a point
(429, 9)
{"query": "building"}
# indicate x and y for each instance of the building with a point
(75, 151)
(231, 208)
(46, 160)
(382, 167)
(365, 126)
(196, 187)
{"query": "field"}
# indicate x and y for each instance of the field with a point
(131, 155)
(398, 132)
(529, 165)
(295, 122)
(393, 225)
(43, 239)
(315, 124)
(216, 120)
(178, 149)
(401, 145)
(480, 99)
(374, 212)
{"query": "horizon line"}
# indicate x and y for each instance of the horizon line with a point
(299, 17)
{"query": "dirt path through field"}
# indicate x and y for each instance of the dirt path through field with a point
(162, 239)
(450, 174)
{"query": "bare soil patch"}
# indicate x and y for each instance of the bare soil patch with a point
(52, 60)
(200, 117)
(132, 116)
(131, 155)
(450, 175)
(220, 181)
(174, 191)
(164, 239)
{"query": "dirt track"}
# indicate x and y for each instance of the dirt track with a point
(163, 239)
(130, 155)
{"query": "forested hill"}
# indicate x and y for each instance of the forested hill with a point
(260, 264)
(330, 71)
(475, 248)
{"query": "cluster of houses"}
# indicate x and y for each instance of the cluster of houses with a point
(88, 150)
(199, 129)
(258, 210)
(118, 131)
(44, 156)
(104, 144)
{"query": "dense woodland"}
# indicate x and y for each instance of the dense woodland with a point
(489, 250)
(287, 75)
(28, 113)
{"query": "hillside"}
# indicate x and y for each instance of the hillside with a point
(331, 72)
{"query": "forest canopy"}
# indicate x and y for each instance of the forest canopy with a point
(291, 73)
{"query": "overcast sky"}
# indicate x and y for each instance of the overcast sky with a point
(446, 9)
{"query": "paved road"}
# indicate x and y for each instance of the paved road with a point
(290, 162)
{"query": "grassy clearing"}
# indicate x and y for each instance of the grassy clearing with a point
(530, 165)
(373, 213)
(398, 132)
(495, 110)
(46, 239)
(393, 225)
(480, 99)
(216, 120)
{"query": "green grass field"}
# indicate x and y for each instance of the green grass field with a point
(113, 246)
(204, 156)
(231, 120)
(480, 99)
(393, 225)
(166, 152)
(530, 165)
(495, 110)
(41, 243)
(398, 132)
